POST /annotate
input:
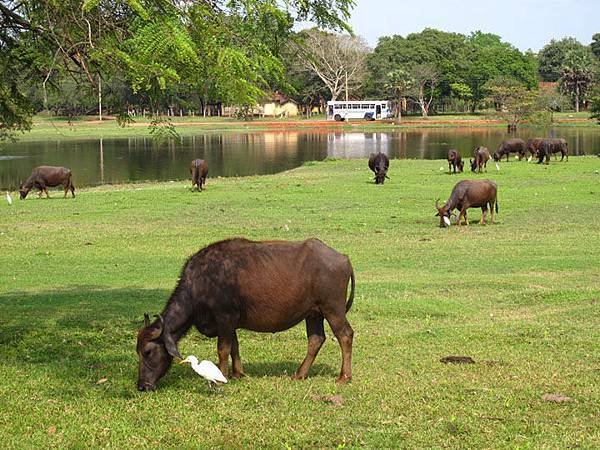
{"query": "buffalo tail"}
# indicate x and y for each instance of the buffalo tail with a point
(351, 298)
(496, 206)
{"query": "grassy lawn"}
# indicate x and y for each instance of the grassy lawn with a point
(521, 297)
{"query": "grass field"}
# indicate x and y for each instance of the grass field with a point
(521, 297)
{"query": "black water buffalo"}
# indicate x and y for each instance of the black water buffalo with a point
(260, 286)
(379, 164)
(469, 194)
(44, 177)
(552, 146)
(533, 146)
(454, 161)
(199, 171)
(482, 156)
(509, 146)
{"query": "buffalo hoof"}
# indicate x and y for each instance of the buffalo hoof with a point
(238, 375)
(298, 377)
(343, 379)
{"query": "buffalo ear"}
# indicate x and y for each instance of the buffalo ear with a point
(437, 215)
(146, 320)
(171, 346)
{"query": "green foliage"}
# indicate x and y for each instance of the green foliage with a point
(514, 101)
(551, 57)
(595, 45)
(577, 73)
(595, 104)
(163, 131)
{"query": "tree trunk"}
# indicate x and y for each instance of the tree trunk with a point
(577, 98)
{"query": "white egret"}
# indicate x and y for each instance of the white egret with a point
(8, 198)
(497, 167)
(206, 369)
(446, 220)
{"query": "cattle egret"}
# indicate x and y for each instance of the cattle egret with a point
(8, 198)
(446, 220)
(205, 369)
(529, 159)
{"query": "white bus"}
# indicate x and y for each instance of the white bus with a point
(363, 109)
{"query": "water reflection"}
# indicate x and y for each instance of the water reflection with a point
(97, 161)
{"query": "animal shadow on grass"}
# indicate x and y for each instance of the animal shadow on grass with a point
(81, 335)
(78, 335)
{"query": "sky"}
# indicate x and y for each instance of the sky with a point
(527, 24)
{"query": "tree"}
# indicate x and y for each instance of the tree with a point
(514, 101)
(425, 77)
(336, 59)
(551, 57)
(595, 104)
(595, 45)
(226, 48)
(576, 74)
(400, 84)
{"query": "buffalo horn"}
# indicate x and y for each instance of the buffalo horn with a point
(146, 319)
(437, 203)
(156, 333)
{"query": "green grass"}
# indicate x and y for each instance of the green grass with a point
(521, 297)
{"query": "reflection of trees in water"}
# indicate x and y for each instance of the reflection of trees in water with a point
(95, 161)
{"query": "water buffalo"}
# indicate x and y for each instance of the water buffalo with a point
(533, 146)
(44, 177)
(482, 156)
(455, 161)
(379, 164)
(552, 146)
(260, 286)
(199, 171)
(510, 146)
(469, 194)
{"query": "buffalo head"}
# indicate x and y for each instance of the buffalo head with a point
(23, 191)
(380, 174)
(444, 214)
(156, 350)
(473, 164)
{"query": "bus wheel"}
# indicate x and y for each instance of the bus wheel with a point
(338, 118)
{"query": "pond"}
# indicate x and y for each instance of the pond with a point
(99, 161)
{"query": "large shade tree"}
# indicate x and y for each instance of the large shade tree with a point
(225, 48)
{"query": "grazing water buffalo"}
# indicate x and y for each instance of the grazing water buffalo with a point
(455, 161)
(260, 286)
(199, 170)
(469, 194)
(533, 146)
(379, 164)
(552, 146)
(510, 146)
(482, 156)
(44, 177)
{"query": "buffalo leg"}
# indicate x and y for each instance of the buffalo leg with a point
(483, 214)
(224, 344)
(66, 188)
(344, 334)
(315, 332)
(492, 206)
(236, 361)
(46, 191)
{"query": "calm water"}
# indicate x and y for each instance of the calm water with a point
(95, 161)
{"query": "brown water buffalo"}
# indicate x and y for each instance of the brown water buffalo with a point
(260, 286)
(469, 194)
(509, 146)
(552, 146)
(379, 164)
(454, 161)
(482, 156)
(199, 171)
(44, 177)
